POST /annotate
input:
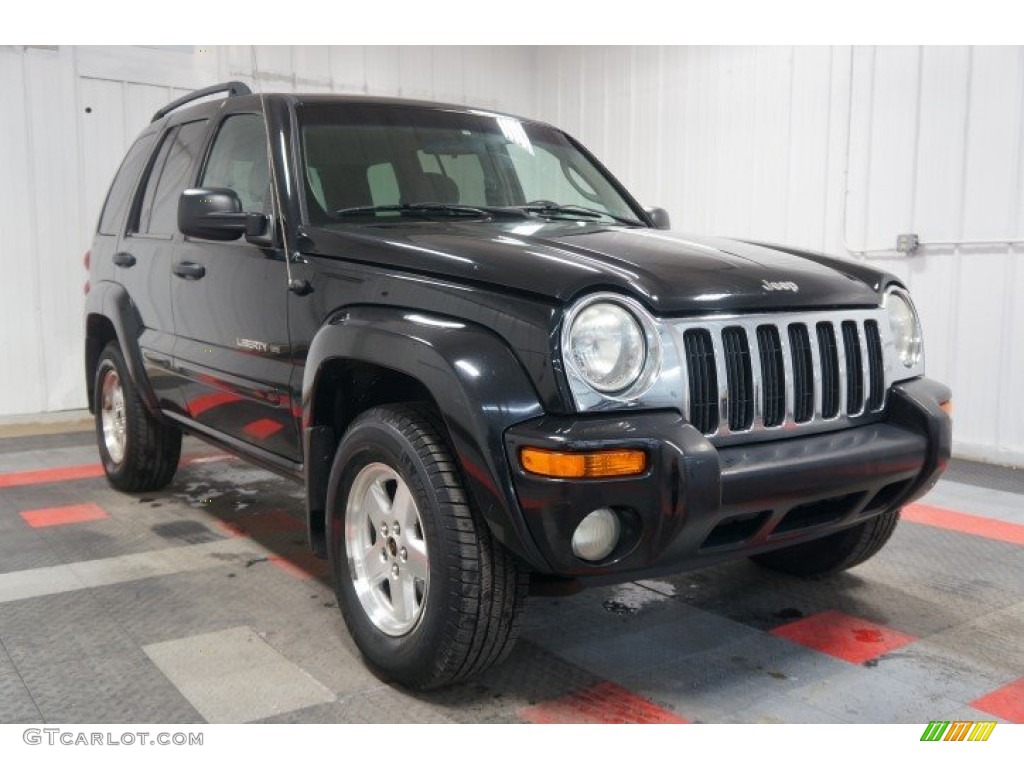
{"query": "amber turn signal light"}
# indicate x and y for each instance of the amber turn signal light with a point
(539, 461)
(947, 407)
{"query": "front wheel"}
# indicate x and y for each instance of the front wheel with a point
(429, 596)
(835, 552)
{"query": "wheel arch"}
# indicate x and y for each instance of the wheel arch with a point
(368, 356)
(110, 315)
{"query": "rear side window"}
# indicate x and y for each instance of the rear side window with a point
(168, 178)
(238, 161)
(124, 182)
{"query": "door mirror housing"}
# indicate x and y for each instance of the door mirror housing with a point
(659, 217)
(215, 213)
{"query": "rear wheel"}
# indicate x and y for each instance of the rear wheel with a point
(429, 597)
(836, 552)
(139, 453)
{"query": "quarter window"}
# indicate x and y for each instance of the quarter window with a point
(124, 182)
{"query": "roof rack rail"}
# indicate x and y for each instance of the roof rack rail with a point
(234, 88)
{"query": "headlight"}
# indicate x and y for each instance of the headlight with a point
(906, 328)
(607, 346)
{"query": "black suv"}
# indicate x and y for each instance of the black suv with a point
(489, 365)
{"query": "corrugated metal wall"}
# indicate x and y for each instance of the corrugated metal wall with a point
(840, 150)
(831, 148)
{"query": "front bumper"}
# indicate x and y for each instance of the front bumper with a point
(697, 504)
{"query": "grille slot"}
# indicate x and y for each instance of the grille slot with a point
(703, 379)
(854, 368)
(876, 366)
(829, 354)
(740, 378)
(803, 373)
(773, 375)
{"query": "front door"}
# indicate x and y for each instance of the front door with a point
(230, 308)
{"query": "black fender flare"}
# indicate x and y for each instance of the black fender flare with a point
(476, 381)
(111, 301)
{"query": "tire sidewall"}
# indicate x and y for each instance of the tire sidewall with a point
(111, 361)
(412, 656)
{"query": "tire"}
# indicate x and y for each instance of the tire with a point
(836, 552)
(142, 454)
(467, 607)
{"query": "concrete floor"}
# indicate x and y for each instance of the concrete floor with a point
(201, 603)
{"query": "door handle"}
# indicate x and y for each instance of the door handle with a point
(123, 259)
(188, 270)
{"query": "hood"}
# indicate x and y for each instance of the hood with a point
(670, 272)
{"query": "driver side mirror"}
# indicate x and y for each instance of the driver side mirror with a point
(659, 217)
(215, 213)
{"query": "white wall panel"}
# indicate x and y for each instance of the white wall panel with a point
(69, 116)
(20, 332)
(841, 150)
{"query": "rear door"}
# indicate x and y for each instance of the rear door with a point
(230, 307)
(144, 256)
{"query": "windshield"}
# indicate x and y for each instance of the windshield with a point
(374, 162)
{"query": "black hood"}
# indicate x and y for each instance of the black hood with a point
(670, 272)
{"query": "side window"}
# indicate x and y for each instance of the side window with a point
(168, 177)
(238, 161)
(121, 189)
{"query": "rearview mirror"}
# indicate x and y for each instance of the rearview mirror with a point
(659, 217)
(215, 213)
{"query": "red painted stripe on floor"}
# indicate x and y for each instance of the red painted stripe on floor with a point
(83, 471)
(987, 527)
(1006, 702)
(51, 475)
(603, 703)
(844, 637)
(75, 513)
(230, 529)
(261, 523)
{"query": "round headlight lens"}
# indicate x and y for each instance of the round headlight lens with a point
(906, 329)
(607, 345)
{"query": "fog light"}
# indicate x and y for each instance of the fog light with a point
(597, 535)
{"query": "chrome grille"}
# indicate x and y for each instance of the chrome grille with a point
(789, 371)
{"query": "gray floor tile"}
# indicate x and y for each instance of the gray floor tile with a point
(234, 676)
(16, 704)
(122, 688)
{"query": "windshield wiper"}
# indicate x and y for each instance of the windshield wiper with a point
(428, 209)
(576, 210)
